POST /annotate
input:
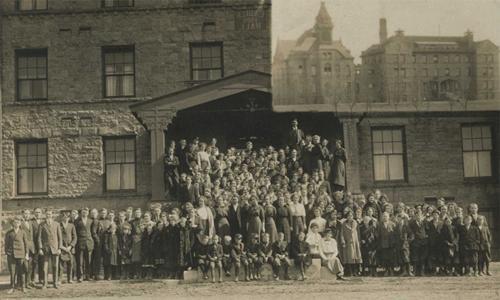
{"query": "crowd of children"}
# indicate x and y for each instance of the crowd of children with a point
(244, 209)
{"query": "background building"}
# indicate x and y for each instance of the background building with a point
(405, 68)
(315, 68)
(71, 70)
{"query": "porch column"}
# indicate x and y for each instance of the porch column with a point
(156, 121)
(352, 150)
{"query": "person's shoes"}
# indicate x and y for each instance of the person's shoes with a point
(479, 273)
(277, 278)
(27, 287)
(287, 277)
(220, 280)
(304, 277)
(44, 287)
(213, 280)
(31, 284)
(70, 281)
(23, 289)
(80, 280)
(489, 273)
(228, 274)
(56, 286)
(10, 291)
(236, 279)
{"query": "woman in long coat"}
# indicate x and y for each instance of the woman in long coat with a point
(349, 239)
(221, 221)
(255, 217)
(338, 166)
(269, 223)
(283, 219)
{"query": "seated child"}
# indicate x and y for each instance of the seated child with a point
(239, 257)
(280, 253)
(226, 257)
(202, 251)
(254, 264)
(215, 255)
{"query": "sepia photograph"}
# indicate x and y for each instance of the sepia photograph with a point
(250, 149)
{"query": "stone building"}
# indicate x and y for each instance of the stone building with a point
(404, 68)
(315, 68)
(71, 70)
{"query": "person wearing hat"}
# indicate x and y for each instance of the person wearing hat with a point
(67, 258)
(329, 255)
(16, 249)
(238, 255)
(84, 245)
(295, 136)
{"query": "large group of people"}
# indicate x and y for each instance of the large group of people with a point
(241, 209)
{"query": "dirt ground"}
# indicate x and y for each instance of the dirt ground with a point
(423, 288)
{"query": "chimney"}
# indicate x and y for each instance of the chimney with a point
(382, 30)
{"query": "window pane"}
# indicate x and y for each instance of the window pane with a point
(377, 148)
(471, 168)
(32, 148)
(477, 144)
(396, 167)
(111, 86)
(39, 89)
(484, 158)
(25, 89)
(397, 136)
(387, 148)
(120, 156)
(42, 149)
(22, 149)
(130, 156)
(22, 161)
(110, 157)
(24, 181)
(130, 144)
(41, 161)
(39, 180)
(467, 144)
(486, 131)
(487, 144)
(128, 177)
(379, 166)
(397, 147)
(128, 85)
(466, 132)
(113, 177)
(476, 132)
(215, 74)
(387, 135)
(109, 145)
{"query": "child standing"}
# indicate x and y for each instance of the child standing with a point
(484, 247)
(125, 250)
(226, 255)
(469, 245)
(110, 253)
(449, 245)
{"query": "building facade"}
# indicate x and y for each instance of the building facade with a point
(72, 69)
(315, 68)
(405, 69)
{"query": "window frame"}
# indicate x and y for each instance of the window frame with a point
(119, 137)
(16, 151)
(117, 49)
(31, 52)
(404, 153)
(103, 4)
(492, 151)
(201, 45)
(18, 6)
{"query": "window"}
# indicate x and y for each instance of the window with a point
(31, 167)
(388, 154)
(327, 68)
(206, 61)
(119, 71)
(119, 163)
(32, 4)
(477, 148)
(31, 70)
(117, 3)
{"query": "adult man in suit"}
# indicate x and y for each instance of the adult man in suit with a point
(37, 266)
(189, 191)
(295, 136)
(16, 249)
(97, 233)
(418, 244)
(27, 226)
(181, 152)
(234, 216)
(84, 245)
(49, 245)
(68, 248)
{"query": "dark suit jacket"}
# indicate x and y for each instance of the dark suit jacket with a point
(36, 226)
(418, 233)
(30, 235)
(16, 244)
(49, 237)
(69, 235)
(84, 235)
(190, 194)
(294, 137)
(469, 238)
(234, 218)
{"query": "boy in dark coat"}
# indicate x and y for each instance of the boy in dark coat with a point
(68, 232)
(469, 243)
(368, 242)
(16, 249)
(186, 244)
(111, 253)
(301, 253)
(402, 246)
(432, 229)
(238, 255)
(125, 250)
(215, 255)
(449, 242)
(385, 238)
(254, 263)
(280, 253)
(202, 250)
(484, 247)
(147, 244)
(227, 261)
(171, 236)
(418, 242)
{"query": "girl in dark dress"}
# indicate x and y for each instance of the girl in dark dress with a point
(171, 236)
(186, 240)
(269, 223)
(221, 221)
(256, 215)
(147, 245)
(283, 219)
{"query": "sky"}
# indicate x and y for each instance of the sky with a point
(356, 21)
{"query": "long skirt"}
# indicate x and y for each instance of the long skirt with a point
(272, 230)
(254, 226)
(223, 228)
(284, 226)
(136, 249)
(333, 264)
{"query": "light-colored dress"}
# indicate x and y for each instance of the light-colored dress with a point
(349, 235)
(329, 256)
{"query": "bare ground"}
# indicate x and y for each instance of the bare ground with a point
(424, 288)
